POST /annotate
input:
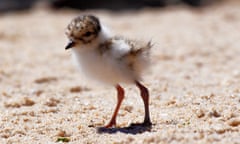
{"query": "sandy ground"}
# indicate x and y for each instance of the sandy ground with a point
(194, 82)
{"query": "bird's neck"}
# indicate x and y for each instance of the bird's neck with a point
(104, 34)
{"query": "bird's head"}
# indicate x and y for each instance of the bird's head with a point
(82, 30)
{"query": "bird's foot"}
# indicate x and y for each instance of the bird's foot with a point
(144, 124)
(110, 124)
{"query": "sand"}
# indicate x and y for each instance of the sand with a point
(194, 81)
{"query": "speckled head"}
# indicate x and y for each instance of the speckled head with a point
(82, 30)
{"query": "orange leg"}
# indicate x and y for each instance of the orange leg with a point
(120, 95)
(145, 98)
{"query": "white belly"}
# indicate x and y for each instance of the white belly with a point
(103, 68)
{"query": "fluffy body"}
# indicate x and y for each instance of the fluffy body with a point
(109, 59)
(112, 60)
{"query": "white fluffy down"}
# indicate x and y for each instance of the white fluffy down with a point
(107, 68)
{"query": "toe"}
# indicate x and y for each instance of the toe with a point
(111, 124)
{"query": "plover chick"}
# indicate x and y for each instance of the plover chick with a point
(109, 59)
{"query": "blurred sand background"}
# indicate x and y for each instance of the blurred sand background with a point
(194, 82)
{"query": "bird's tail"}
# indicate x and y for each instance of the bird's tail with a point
(145, 50)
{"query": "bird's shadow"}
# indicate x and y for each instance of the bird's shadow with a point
(132, 129)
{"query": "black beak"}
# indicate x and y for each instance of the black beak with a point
(70, 45)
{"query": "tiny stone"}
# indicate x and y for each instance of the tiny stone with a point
(234, 122)
(214, 113)
(12, 105)
(45, 80)
(76, 89)
(200, 113)
(61, 133)
(37, 92)
(52, 102)
(28, 102)
(128, 108)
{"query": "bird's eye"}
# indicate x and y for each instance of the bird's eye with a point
(87, 34)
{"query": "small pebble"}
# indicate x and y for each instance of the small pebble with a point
(45, 80)
(234, 122)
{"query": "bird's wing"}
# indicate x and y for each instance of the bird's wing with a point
(115, 47)
(119, 47)
(134, 54)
